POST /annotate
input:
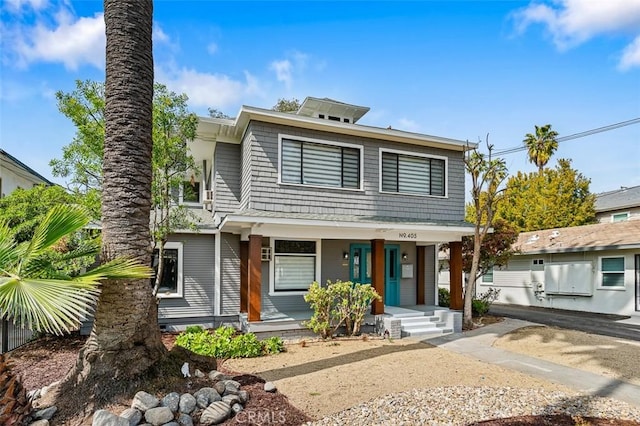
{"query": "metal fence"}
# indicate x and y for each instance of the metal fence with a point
(12, 336)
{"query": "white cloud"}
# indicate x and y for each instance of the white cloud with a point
(408, 125)
(283, 70)
(17, 5)
(572, 22)
(212, 48)
(631, 55)
(209, 90)
(159, 35)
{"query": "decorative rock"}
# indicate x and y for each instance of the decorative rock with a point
(220, 387)
(244, 396)
(43, 422)
(172, 401)
(185, 420)
(187, 403)
(233, 383)
(158, 416)
(171, 424)
(45, 414)
(144, 401)
(133, 415)
(211, 394)
(236, 408)
(202, 401)
(231, 387)
(270, 387)
(215, 413)
(105, 418)
(199, 374)
(215, 375)
(231, 399)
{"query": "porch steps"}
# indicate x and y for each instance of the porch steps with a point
(422, 324)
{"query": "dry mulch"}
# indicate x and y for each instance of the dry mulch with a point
(555, 420)
(46, 360)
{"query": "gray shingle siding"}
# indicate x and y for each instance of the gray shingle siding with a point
(230, 273)
(198, 286)
(227, 184)
(261, 191)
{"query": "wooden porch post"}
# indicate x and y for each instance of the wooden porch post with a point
(255, 277)
(455, 275)
(421, 274)
(377, 275)
(244, 276)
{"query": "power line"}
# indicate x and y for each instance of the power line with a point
(576, 135)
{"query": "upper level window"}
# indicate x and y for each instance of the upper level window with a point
(191, 192)
(313, 163)
(619, 217)
(413, 174)
(612, 269)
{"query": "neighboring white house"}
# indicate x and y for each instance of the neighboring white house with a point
(592, 268)
(618, 205)
(15, 174)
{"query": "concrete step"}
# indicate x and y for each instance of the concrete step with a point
(418, 320)
(421, 326)
(432, 332)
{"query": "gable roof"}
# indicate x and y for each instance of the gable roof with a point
(601, 236)
(618, 199)
(24, 167)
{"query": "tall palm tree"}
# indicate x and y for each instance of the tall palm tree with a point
(541, 146)
(126, 339)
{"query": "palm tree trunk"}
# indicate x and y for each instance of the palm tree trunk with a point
(126, 340)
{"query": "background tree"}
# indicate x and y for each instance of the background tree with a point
(214, 113)
(553, 198)
(487, 174)
(125, 340)
(287, 105)
(541, 146)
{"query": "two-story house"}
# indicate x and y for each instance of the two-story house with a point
(291, 198)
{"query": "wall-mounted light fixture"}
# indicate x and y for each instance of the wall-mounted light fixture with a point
(404, 256)
(345, 255)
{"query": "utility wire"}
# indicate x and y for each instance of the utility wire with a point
(576, 135)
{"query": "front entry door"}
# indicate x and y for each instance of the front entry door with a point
(360, 269)
(637, 282)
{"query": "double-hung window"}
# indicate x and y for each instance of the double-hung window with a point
(408, 173)
(612, 269)
(310, 162)
(171, 282)
(295, 265)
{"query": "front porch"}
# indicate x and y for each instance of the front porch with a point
(397, 321)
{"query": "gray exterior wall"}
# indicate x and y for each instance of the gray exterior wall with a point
(334, 267)
(229, 273)
(198, 286)
(226, 177)
(261, 191)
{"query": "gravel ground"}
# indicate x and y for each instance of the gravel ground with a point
(461, 405)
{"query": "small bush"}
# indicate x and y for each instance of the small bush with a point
(481, 304)
(444, 298)
(225, 342)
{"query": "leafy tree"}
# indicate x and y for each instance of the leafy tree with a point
(214, 113)
(126, 339)
(541, 146)
(487, 175)
(554, 198)
(35, 289)
(287, 105)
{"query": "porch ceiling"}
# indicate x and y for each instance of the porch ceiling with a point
(292, 225)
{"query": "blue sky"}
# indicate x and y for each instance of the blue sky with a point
(458, 69)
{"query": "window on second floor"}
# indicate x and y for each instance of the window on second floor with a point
(314, 163)
(620, 217)
(412, 174)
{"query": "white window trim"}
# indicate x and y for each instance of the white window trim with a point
(414, 154)
(272, 267)
(601, 272)
(620, 213)
(321, 142)
(189, 203)
(180, 290)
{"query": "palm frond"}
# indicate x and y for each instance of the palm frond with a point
(8, 254)
(52, 306)
(61, 221)
(120, 268)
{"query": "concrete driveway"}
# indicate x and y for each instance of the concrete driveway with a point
(624, 327)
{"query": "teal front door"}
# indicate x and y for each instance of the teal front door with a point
(360, 269)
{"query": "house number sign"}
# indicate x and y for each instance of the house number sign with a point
(408, 235)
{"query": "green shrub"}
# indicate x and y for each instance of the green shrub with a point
(481, 303)
(225, 342)
(444, 298)
(338, 303)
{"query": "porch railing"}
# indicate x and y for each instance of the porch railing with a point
(12, 337)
